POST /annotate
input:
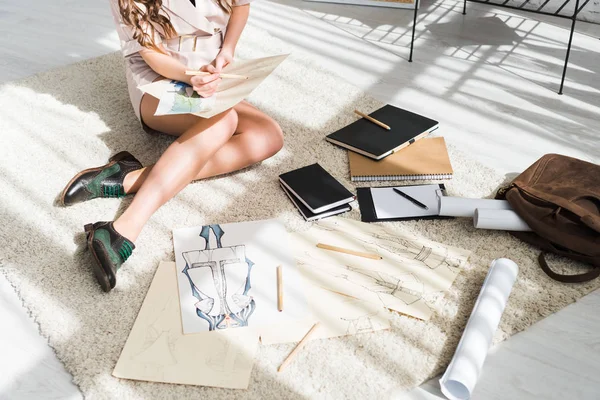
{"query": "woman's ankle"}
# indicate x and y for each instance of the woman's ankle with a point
(134, 179)
(126, 230)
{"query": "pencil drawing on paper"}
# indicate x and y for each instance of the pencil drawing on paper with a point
(389, 289)
(219, 279)
(431, 256)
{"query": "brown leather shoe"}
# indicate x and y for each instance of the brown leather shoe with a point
(110, 250)
(104, 181)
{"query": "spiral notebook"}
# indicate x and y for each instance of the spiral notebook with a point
(426, 159)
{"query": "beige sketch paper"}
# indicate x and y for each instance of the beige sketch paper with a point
(231, 91)
(158, 351)
(410, 268)
(340, 315)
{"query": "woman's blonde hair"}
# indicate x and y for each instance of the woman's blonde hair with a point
(144, 22)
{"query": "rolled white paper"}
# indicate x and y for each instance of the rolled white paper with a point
(459, 380)
(502, 220)
(464, 207)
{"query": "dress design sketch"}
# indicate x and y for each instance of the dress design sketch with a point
(219, 278)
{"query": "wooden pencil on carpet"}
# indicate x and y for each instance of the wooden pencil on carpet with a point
(225, 76)
(298, 347)
(373, 120)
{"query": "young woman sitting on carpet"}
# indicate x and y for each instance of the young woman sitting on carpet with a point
(163, 39)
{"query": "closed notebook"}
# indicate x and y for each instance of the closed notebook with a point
(309, 215)
(426, 159)
(371, 140)
(316, 188)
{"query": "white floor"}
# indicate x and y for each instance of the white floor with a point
(489, 77)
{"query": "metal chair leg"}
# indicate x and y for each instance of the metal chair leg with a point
(412, 40)
(574, 20)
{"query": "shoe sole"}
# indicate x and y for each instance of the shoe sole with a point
(101, 275)
(111, 161)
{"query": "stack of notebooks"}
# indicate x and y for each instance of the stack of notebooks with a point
(401, 153)
(315, 192)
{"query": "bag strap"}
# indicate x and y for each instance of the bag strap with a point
(587, 276)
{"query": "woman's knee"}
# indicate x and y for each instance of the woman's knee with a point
(274, 136)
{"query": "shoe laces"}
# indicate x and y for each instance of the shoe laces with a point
(125, 251)
(113, 191)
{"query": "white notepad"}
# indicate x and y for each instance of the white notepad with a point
(389, 204)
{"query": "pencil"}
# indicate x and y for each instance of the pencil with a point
(348, 251)
(373, 120)
(298, 347)
(279, 288)
(225, 76)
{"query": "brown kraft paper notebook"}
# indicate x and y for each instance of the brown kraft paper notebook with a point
(426, 159)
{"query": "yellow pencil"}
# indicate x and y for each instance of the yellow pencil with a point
(373, 120)
(280, 288)
(298, 347)
(348, 251)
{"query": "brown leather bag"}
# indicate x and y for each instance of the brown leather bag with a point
(559, 198)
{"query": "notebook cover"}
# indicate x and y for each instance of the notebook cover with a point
(316, 188)
(309, 215)
(424, 157)
(367, 208)
(373, 141)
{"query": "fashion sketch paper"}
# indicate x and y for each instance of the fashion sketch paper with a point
(158, 351)
(180, 98)
(410, 267)
(230, 91)
(227, 277)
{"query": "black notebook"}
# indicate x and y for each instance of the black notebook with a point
(371, 140)
(316, 188)
(311, 216)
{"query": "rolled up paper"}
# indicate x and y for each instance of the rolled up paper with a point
(502, 220)
(465, 207)
(461, 376)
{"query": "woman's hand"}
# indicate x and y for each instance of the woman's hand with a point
(206, 85)
(222, 60)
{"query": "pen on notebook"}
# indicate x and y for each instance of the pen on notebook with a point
(411, 199)
(373, 120)
(224, 76)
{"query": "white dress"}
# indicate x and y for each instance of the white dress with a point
(206, 22)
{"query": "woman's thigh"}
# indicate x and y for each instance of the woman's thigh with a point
(249, 119)
(174, 125)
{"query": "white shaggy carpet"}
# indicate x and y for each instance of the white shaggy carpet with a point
(57, 123)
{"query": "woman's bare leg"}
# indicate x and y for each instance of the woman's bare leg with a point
(257, 137)
(178, 166)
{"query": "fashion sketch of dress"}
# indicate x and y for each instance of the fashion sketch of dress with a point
(219, 278)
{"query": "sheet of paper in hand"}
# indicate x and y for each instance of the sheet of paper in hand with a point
(180, 98)
(230, 91)
(227, 276)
